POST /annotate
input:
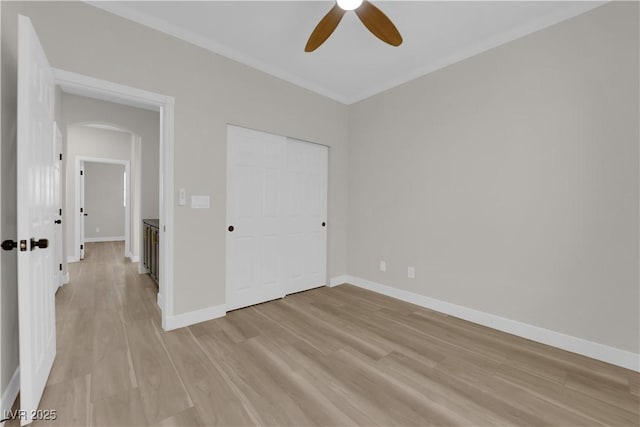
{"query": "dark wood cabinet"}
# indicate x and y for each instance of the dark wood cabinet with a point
(150, 246)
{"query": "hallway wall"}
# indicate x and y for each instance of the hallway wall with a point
(104, 201)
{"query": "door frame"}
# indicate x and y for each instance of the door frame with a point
(79, 165)
(91, 87)
(59, 243)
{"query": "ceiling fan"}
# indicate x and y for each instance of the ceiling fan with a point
(372, 17)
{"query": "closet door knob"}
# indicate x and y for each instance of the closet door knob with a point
(324, 224)
(231, 228)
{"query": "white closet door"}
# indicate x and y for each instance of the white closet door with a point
(305, 217)
(255, 176)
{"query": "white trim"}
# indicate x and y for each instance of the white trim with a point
(605, 353)
(166, 257)
(193, 317)
(79, 84)
(104, 239)
(338, 280)
(576, 8)
(134, 258)
(143, 270)
(72, 258)
(10, 393)
(114, 92)
(159, 300)
(63, 279)
(119, 8)
(79, 165)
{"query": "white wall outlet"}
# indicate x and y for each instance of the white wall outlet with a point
(383, 266)
(182, 197)
(411, 272)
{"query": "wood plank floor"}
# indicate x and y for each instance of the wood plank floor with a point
(330, 356)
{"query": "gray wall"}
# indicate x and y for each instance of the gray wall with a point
(104, 200)
(510, 180)
(8, 260)
(210, 91)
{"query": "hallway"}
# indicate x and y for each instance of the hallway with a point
(107, 332)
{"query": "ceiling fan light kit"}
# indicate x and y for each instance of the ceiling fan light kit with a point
(349, 4)
(372, 18)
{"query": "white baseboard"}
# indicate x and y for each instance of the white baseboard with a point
(338, 280)
(64, 279)
(193, 317)
(103, 239)
(10, 393)
(605, 353)
(72, 258)
(159, 300)
(141, 269)
(134, 258)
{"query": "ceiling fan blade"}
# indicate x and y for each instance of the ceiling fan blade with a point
(378, 23)
(324, 28)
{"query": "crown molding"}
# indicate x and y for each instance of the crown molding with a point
(572, 9)
(121, 10)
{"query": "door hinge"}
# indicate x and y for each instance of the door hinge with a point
(60, 267)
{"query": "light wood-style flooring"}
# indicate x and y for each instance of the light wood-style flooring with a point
(331, 356)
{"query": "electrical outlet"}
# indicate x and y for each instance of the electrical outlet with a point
(383, 266)
(411, 272)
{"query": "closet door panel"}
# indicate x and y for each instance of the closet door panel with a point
(305, 212)
(255, 248)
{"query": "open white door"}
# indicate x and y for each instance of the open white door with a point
(83, 214)
(57, 197)
(36, 215)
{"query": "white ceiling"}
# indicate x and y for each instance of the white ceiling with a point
(352, 64)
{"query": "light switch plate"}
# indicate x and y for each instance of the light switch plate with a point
(200, 202)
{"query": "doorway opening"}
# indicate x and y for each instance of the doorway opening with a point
(103, 194)
(97, 89)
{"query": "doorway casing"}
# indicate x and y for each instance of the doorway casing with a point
(90, 87)
(79, 161)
